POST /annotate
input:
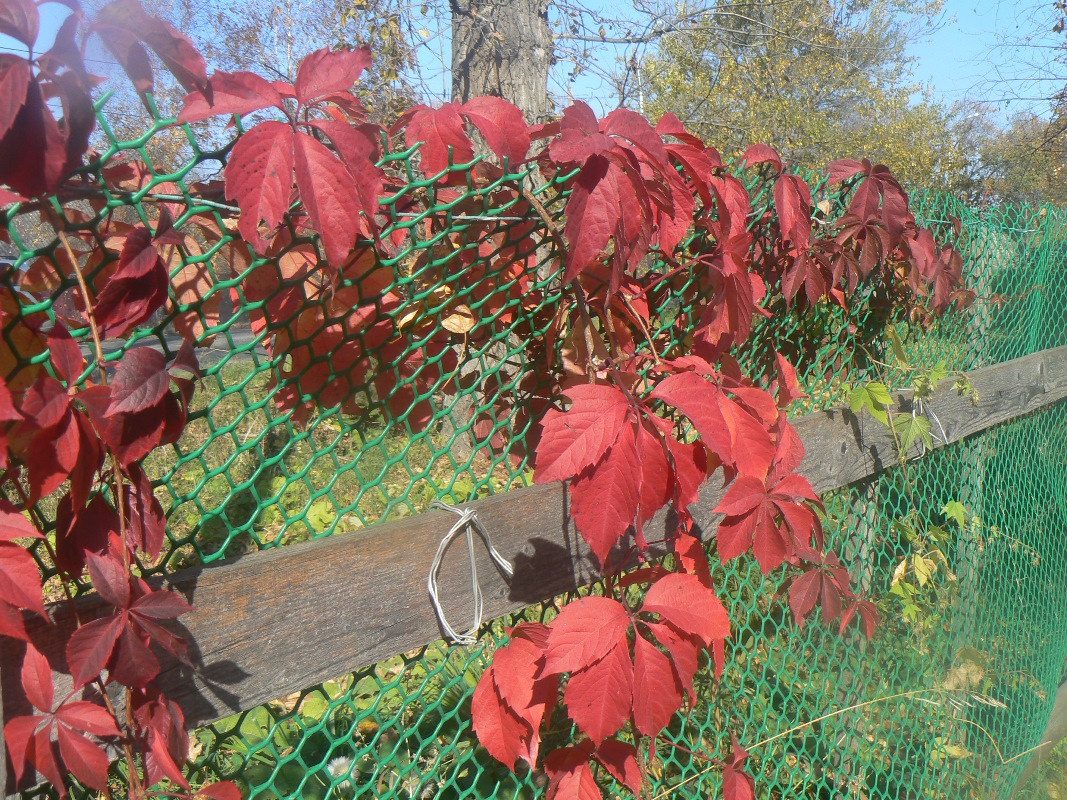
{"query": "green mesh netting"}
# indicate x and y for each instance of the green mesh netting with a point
(988, 619)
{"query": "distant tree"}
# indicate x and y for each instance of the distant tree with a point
(1026, 161)
(813, 77)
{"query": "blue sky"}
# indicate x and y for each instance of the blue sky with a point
(974, 54)
(991, 52)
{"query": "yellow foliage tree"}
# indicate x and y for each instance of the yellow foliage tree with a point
(818, 79)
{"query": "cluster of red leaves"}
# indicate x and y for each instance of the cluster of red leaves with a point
(652, 214)
(80, 441)
(60, 431)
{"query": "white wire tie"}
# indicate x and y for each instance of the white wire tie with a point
(469, 524)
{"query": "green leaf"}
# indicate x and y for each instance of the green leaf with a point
(938, 374)
(859, 399)
(955, 511)
(879, 394)
(911, 429)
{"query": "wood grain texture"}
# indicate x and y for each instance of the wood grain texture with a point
(281, 620)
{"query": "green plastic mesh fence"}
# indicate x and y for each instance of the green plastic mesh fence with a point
(987, 616)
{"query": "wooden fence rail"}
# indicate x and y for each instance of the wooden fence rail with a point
(278, 621)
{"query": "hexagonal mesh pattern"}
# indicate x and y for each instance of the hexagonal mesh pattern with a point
(959, 679)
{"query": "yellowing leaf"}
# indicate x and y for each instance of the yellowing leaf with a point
(460, 320)
(924, 569)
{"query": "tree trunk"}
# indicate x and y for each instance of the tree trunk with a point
(502, 48)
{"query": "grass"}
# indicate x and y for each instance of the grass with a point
(242, 477)
(1050, 780)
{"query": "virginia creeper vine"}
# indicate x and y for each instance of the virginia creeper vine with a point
(636, 423)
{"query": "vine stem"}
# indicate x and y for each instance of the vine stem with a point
(915, 693)
(98, 345)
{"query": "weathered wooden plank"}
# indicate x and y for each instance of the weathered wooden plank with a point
(279, 621)
(1055, 732)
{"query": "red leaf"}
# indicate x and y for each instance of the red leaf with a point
(259, 177)
(161, 604)
(605, 499)
(18, 736)
(690, 470)
(516, 670)
(803, 593)
(670, 125)
(635, 128)
(499, 729)
(769, 545)
(599, 697)
(8, 412)
(534, 632)
(693, 396)
(87, 532)
(593, 214)
(85, 759)
(745, 494)
(110, 579)
(147, 523)
(570, 777)
(90, 647)
(231, 93)
(736, 783)
(868, 613)
(788, 384)
(19, 19)
(438, 130)
(174, 49)
(751, 445)
(684, 601)
(656, 477)
(757, 154)
(15, 77)
(360, 151)
(88, 718)
(136, 289)
(44, 758)
(140, 381)
(330, 71)
(46, 402)
(135, 664)
(42, 146)
(65, 354)
(20, 580)
(792, 198)
(8, 197)
(503, 126)
(328, 193)
(830, 599)
(584, 632)
(735, 535)
(11, 623)
(684, 650)
(130, 54)
(37, 679)
(580, 138)
(15, 526)
(620, 759)
(579, 437)
(657, 688)
(844, 169)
